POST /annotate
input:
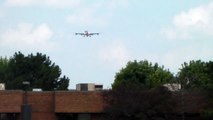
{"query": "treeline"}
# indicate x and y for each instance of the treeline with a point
(38, 70)
(41, 72)
(138, 92)
(193, 75)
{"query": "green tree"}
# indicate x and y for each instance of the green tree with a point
(135, 103)
(63, 83)
(196, 75)
(143, 73)
(210, 75)
(208, 112)
(37, 69)
(3, 68)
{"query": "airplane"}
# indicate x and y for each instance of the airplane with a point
(87, 34)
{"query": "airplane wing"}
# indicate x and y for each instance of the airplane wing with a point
(79, 33)
(94, 33)
(86, 34)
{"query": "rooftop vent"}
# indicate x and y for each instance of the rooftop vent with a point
(37, 89)
(88, 87)
(2, 86)
(173, 86)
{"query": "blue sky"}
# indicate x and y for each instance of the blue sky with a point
(168, 32)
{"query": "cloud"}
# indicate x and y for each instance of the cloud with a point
(117, 3)
(194, 17)
(196, 22)
(115, 53)
(66, 3)
(175, 57)
(2, 13)
(83, 12)
(88, 16)
(50, 3)
(96, 14)
(25, 36)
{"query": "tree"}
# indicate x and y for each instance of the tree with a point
(209, 97)
(63, 83)
(136, 103)
(196, 75)
(37, 69)
(144, 74)
(137, 93)
(210, 75)
(3, 68)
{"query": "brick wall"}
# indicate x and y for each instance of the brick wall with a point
(45, 105)
(43, 116)
(51, 102)
(78, 102)
(192, 102)
(42, 104)
(10, 101)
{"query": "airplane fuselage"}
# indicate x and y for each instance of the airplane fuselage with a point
(86, 34)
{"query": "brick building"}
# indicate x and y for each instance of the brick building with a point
(86, 105)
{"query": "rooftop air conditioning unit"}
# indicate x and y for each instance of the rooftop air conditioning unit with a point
(85, 87)
(2, 86)
(37, 89)
(98, 87)
(173, 86)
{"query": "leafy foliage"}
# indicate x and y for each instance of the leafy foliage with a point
(36, 69)
(137, 93)
(138, 104)
(144, 74)
(3, 68)
(196, 75)
(210, 75)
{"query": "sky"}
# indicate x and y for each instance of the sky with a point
(167, 32)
